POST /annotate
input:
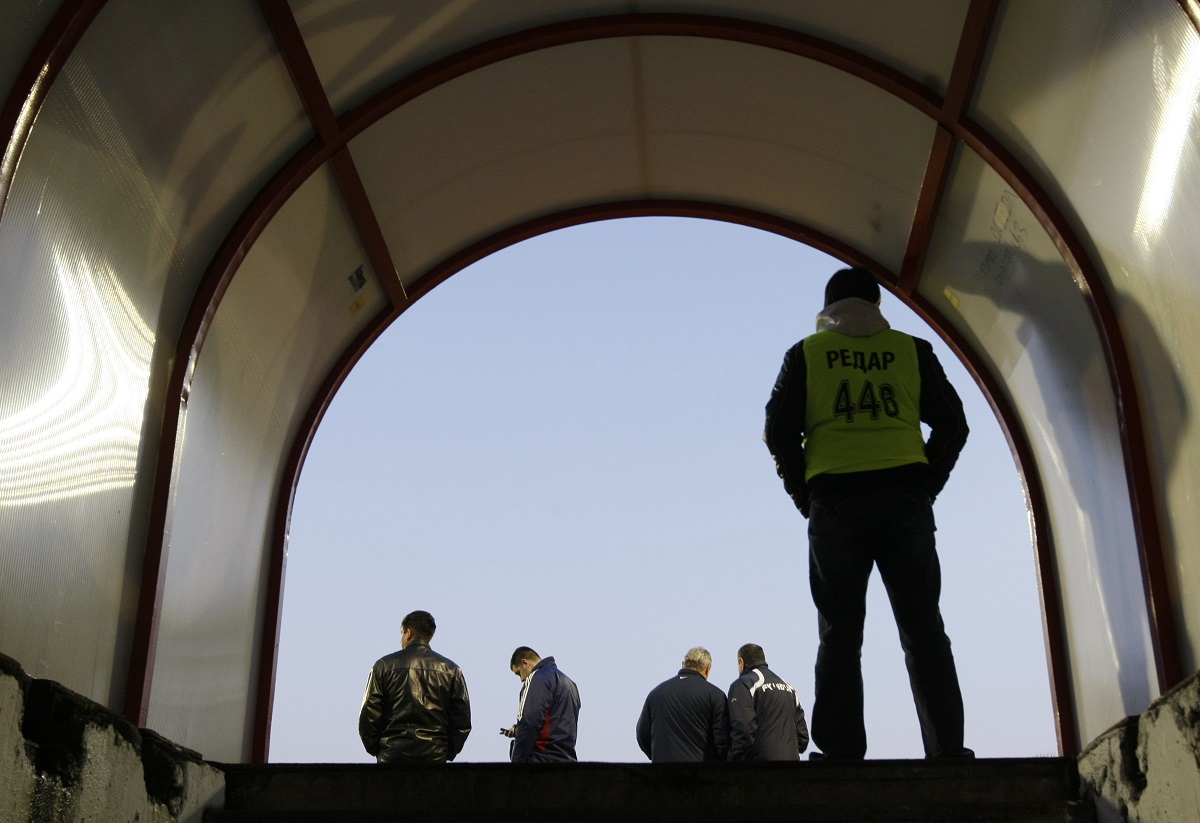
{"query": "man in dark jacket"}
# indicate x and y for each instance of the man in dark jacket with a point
(416, 708)
(844, 425)
(685, 718)
(766, 720)
(548, 713)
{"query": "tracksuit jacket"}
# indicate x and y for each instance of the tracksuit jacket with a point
(766, 720)
(548, 716)
(685, 718)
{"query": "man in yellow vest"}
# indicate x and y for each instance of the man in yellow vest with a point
(844, 426)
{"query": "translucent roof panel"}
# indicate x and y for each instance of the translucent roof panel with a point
(474, 155)
(190, 148)
(289, 314)
(657, 117)
(129, 180)
(1103, 100)
(785, 135)
(997, 277)
(360, 47)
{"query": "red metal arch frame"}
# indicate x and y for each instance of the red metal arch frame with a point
(948, 113)
(333, 135)
(1066, 726)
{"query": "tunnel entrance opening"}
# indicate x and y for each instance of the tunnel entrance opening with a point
(561, 447)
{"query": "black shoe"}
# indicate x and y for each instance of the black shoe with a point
(962, 754)
(825, 757)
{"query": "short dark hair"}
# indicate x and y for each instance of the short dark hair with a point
(852, 282)
(523, 653)
(421, 623)
(752, 653)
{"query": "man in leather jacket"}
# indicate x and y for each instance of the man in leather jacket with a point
(416, 708)
(766, 720)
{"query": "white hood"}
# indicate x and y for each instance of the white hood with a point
(853, 316)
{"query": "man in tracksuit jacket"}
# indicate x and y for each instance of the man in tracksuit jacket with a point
(766, 720)
(844, 425)
(548, 714)
(686, 718)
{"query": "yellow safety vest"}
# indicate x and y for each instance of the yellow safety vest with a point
(864, 403)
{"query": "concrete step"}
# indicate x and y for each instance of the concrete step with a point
(1031, 790)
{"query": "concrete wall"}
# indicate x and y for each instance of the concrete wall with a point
(65, 758)
(1147, 768)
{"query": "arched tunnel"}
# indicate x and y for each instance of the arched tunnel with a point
(211, 210)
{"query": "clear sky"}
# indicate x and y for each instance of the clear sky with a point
(561, 447)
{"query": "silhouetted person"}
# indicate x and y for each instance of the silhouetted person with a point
(548, 712)
(844, 426)
(416, 708)
(766, 720)
(685, 718)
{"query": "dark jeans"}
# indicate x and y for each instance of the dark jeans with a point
(849, 533)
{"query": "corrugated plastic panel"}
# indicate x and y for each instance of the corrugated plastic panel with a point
(293, 308)
(645, 117)
(917, 37)
(997, 277)
(785, 135)
(361, 47)
(72, 392)
(158, 130)
(198, 97)
(478, 154)
(1103, 97)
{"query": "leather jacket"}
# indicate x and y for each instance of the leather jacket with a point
(416, 707)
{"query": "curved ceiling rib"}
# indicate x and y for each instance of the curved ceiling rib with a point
(1061, 694)
(968, 61)
(1191, 8)
(320, 112)
(977, 29)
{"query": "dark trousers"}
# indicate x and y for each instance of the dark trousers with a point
(849, 533)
